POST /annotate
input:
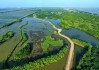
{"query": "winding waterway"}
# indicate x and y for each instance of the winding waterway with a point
(75, 33)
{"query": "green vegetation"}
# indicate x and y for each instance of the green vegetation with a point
(29, 57)
(24, 36)
(50, 41)
(43, 61)
(24, 52)
(21, 52)
(81, 20)
(82, 43)
(23, 25)
(7, 36)
(18, 20)
(90, 60)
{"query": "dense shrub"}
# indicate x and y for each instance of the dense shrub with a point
(24, 52)
(43, 61)
(90, 60)
(81, 20)
(82, 43)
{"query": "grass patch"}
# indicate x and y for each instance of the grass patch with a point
(50, 41)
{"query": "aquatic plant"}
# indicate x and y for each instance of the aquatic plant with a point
(7, 36)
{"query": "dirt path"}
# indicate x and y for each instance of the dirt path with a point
(71, 51)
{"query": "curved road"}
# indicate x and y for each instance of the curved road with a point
(71, 51)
